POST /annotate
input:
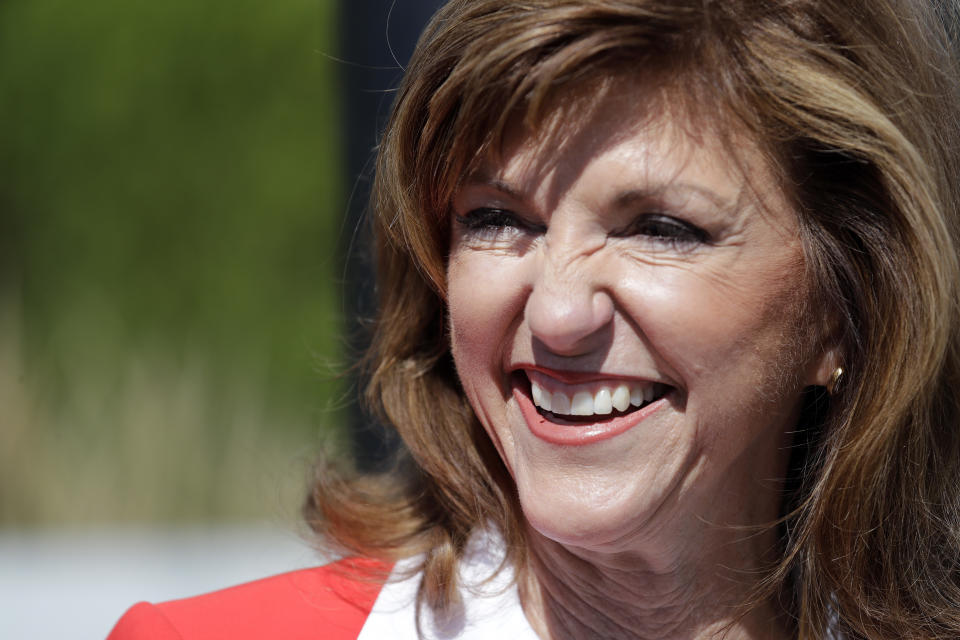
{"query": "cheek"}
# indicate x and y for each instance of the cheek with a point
(721, 329)
(482, 299)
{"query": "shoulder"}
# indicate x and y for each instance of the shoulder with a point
(334, 599)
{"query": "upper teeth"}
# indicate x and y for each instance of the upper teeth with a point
(584, 403)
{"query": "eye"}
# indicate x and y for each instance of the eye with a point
(666, 229)
(491, 222)
(487, 218)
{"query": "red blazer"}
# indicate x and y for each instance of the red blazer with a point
(322, 603)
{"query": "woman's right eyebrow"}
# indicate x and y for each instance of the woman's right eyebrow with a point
(495, 183)
(483, 177)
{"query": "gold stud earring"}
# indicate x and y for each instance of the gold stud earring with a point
(835, 379)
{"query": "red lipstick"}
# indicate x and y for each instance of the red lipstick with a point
(578, 434)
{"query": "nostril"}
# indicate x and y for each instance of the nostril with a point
(568, 321)
(602, 307)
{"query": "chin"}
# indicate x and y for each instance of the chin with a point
(596, 522)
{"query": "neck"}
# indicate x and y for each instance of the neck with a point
(574, 593)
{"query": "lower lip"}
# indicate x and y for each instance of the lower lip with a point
(580, 434)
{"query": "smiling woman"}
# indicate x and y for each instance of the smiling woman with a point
(668, 326)
(568, 291)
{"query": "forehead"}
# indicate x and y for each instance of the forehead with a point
(625, 140)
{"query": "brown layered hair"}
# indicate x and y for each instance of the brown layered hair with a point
(855, 105)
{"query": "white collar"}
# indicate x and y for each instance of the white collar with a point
(491, 603)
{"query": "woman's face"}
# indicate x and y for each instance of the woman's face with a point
(625, 314)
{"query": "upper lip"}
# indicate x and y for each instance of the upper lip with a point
(581, 377)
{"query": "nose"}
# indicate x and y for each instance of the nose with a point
(568, 308)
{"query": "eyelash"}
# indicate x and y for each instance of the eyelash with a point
(657, 227)
(487, 217)
(664, 228)
(491, 220)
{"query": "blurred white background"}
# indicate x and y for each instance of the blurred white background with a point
(76, 583)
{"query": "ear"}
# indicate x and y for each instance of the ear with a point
(821, 367)
(826, 354)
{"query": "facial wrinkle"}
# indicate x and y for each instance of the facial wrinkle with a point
(619, 598)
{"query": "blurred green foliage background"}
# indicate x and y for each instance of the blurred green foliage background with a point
(170, 208)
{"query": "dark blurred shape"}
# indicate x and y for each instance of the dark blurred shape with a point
(377, 38)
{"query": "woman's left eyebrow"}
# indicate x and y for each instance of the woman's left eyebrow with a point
(632, 197)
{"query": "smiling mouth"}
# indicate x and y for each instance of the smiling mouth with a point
(591, 403)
